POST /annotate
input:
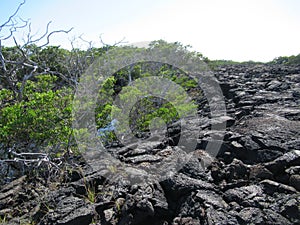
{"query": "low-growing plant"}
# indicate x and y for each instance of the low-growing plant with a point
(3, 219)
(148, 108)
(90, 189)
(41, 118)
(91, 193)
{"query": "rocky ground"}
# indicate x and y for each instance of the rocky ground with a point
(254, 180)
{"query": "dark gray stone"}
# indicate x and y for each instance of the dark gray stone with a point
(289, 159)
(270, 187)
(295, 181)
(247, 196)
(259, 172)
(72, 210)
(221, 217)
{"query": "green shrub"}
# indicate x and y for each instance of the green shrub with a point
(287, 60)
(145, 109)
(42, 117)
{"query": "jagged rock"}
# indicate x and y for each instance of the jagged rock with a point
(109, 215)
(195, 167)
(236, 170)
(270, 187)
(211, 199)
(10, 190)
(246, 196)
(217, 171)
(225, 121)
(221, 217)
(144, 158)
(294, 170)
(71, 210)
(275, 218)
(259, 172)
(181, 184)
(252, 215)
(142, 206)
(185, 221)
(290, 208)
(274, 85)
(289, 159)
(295, 181)
(189, 206)
(253, 180)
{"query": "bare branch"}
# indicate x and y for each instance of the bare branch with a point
(29, 159)
(2, 58)
(12, 16)
(88, 42)
(113, 45)
(29, 37)
(53, 32)
(14, 28)
(11, 24)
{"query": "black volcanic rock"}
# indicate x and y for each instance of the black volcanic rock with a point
(253, 179)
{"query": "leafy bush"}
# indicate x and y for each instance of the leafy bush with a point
(287, 60)
(213, 64)
(148, 108)
(41, 118)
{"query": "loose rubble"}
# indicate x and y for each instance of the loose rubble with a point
(255, 178)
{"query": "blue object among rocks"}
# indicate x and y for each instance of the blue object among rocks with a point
(103, 132)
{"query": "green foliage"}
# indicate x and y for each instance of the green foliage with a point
(104, 103)
(53, 57)
(176, 46)
(42, 117)
(178, 76)
(90, 192)
(287, 60)
(148, 108)
(213, 64)
(3, 219)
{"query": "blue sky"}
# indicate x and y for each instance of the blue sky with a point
(239, 30)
